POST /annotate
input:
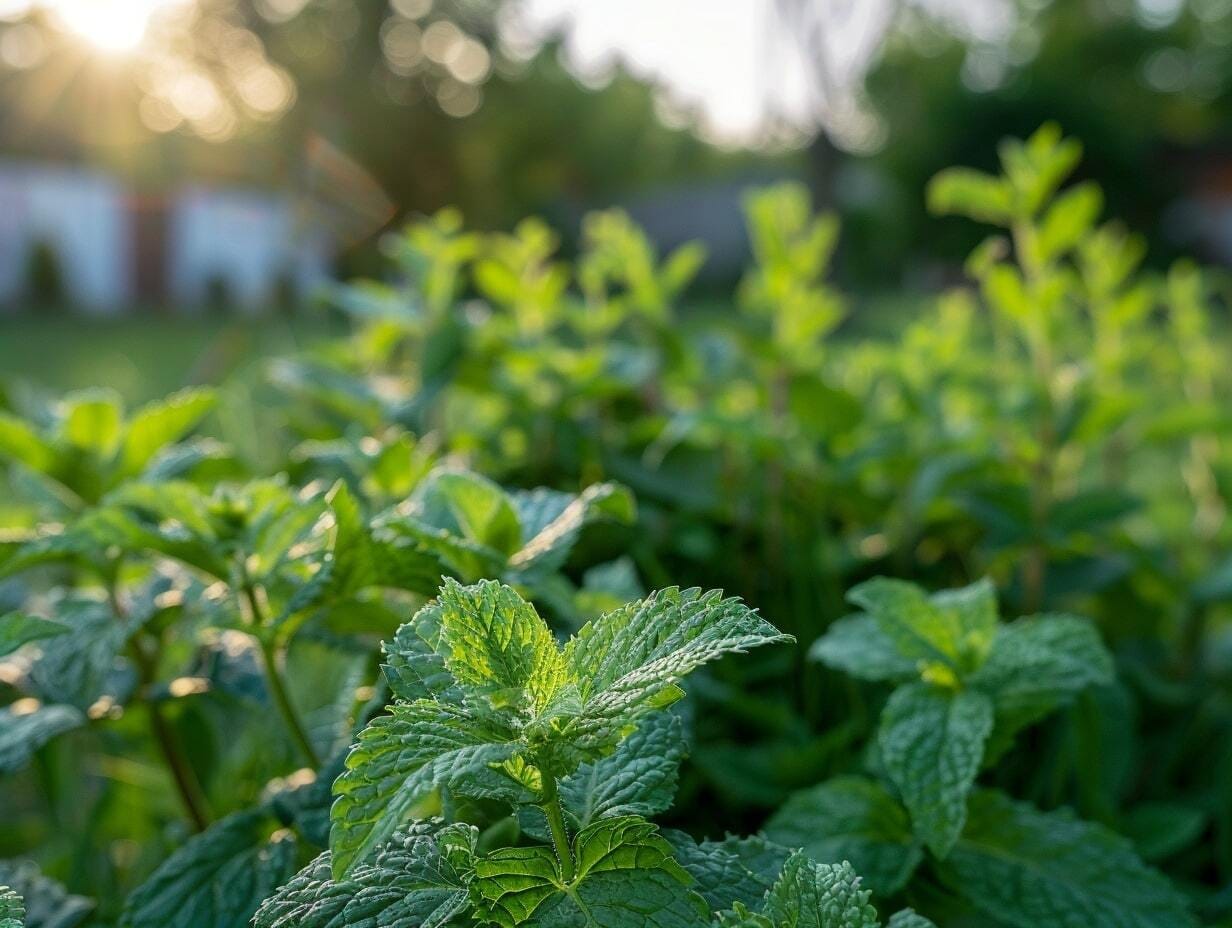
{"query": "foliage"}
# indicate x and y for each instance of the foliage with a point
(411, 674)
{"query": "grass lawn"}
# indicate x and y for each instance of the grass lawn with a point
(143, 356)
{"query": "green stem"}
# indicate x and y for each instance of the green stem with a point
(550, 804)
(270, 657)
(192, 795)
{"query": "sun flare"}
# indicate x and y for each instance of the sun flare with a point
(115, 26)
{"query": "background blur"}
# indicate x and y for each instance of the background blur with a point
(177, 177)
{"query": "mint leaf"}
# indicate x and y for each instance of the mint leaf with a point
(25, 726)
(409, 883)
(908, 919)
(638, 778)
(932, 742)
(400, 759)
(625, 876)
(856, 644)
(217, 879)
(628, 661)
(812, 895)
(855, 819)
(47, 903)
(496, 644)
(551, 522)
(490, 705)
(735, 870)
(1038, 664)
(1028, 868)
(952, 629)
(12, 909)
(17, 630)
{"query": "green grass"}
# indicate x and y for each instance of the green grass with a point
(143, 356)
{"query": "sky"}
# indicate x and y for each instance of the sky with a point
(736, 61)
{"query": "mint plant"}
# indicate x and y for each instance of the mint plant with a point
(965, 686)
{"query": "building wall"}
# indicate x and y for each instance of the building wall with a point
(81, 215)
(252, 242)
(249, 241)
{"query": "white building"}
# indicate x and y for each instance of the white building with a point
(115, 249)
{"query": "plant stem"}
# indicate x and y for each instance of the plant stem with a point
(192, 795)
(550, 804)
(270, 656)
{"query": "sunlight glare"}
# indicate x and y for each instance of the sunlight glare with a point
(110, 25)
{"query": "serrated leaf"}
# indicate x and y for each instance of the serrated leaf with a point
(735, 870)
(1038, 664)
(399, 760)
(496, 644)
(408, 883)
(932, 742)
(468, 506)
(48, 904)
(76, 668)
(624, 876)
(1028, 868)
(414, 661)
(856, 644)
(813, 895)
(217, 879)
(854, 819)
(628, 661)
(17, 630)
(25, 728)
(638, 778)
(12, 909)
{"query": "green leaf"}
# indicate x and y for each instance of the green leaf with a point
(638, 778)
(628, 662)
(470, 507)
(12, 909)
(496, 644)
(856, 644)
(1068, 220)
(1038, 664)
(551, 522)
(812, 895)
(1028, 868)
(48, 904)
(920, 631)
(399, 760)
(974, 194)
(77, 668)
(414, 661)
(946, 635)
(25, 726)
(625, 877)
(20, 442)
(409, 883)
(217, 879)
(735, 870)
(91, 421)
(908, 919)
(17, 630)
(159, 424)
(932, 742)
(855, 819)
